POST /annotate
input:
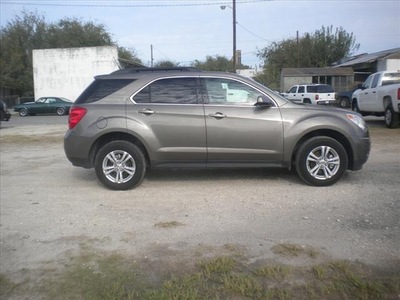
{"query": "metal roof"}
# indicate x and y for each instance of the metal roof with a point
(368, 58)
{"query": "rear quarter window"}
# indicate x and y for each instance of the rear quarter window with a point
(324, 89)
(101, 88)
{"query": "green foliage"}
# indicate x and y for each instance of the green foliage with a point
(165, 64)
(216, 63)
(29, 31)
(315, 50)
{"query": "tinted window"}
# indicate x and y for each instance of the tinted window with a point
(293, 89)
(172, 90)
(312, 89)
(324, 89)
(227, 91)
(100, 89)
(301, 89)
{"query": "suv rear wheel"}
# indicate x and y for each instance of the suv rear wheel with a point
(120, 165)
(321, 161)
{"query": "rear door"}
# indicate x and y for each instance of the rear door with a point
(239, 133)
(170, 116)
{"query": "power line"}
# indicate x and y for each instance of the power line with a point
(126, 4)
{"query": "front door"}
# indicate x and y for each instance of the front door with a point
(238, 132)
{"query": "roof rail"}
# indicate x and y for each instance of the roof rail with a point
(139, 70)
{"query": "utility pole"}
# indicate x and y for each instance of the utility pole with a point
(234, 35)
(151, 51)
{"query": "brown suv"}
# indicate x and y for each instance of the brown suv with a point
(134, 119)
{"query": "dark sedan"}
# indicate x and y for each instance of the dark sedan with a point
(44, 105)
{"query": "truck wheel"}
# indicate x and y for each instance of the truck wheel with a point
(321, 161)
(308, 101)
(344, 102)
(391, 117)
(354, 107)
(120, 165)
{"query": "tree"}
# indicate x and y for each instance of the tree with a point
(216, 63)
(18, 38)
(165, 64)
(30, 31)
(320, 49)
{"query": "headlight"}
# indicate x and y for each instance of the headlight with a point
(356, 119)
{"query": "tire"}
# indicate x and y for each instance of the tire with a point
(344, 102)
(391, 117)
(321, 161)
(354, 107)
(307, 101)
(23, 112)
(120, 165)
(60, 111)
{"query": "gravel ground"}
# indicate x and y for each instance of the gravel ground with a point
(49, 208)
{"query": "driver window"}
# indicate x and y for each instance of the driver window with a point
(231, 92)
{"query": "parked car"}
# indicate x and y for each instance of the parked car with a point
(311, 94)
(343, 99)
(135, 119)
(380, 96)
(44, 105)
(4, 113)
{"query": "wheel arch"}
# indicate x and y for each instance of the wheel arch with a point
(387, 100)
(328, 133)
(115, 136)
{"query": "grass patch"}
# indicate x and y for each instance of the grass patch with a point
(94, 276)
(294, 250)
(170, 224)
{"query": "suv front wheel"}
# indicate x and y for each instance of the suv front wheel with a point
(120, 165)
(321, 161)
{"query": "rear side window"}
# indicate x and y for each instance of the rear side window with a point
(320, 89)
(171, 90)
(101, 88)
(312, 89)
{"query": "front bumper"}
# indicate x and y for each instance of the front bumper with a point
(361, 153)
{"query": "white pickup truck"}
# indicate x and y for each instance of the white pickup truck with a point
(379, 96)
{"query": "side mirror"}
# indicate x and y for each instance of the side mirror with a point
(263, 102)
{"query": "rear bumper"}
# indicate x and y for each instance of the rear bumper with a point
(5, 116)
(76, 150)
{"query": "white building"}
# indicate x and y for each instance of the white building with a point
(66, 72)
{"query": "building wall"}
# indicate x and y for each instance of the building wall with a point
(66, 72)
(388, 65)
(288, 82)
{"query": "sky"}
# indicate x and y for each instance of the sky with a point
(187, 30)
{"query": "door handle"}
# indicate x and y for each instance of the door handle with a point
(147, 112)
(217, 115)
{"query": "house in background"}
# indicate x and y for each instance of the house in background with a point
(340, 79)
(365, 64)
(66, 72)
(345, 74)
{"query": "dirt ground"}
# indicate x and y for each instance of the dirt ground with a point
(50, 209)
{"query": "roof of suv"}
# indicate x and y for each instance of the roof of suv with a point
(139, 72)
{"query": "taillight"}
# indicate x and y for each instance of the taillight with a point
(75, 115)
(316, 97)
(398, 94)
